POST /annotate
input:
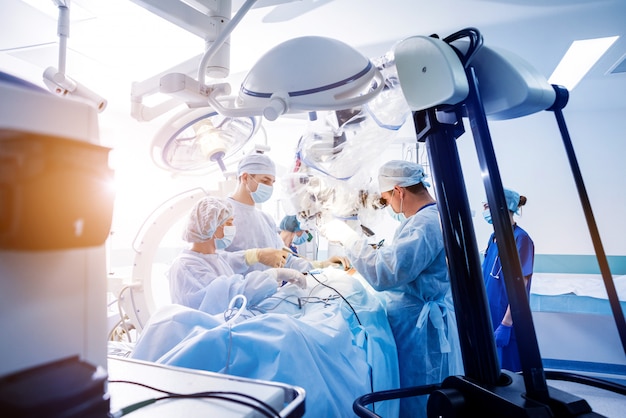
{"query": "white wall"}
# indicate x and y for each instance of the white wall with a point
(532, 161)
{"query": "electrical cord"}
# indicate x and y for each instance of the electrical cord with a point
(256, 404)
(339, 293)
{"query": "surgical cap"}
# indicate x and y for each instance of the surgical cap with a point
(206, 215)
(290, 223)
(256, 164)
(400, 173)
(512, 200)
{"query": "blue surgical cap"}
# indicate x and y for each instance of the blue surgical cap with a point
(206, 215)
(512, 200)
(256, 164)
(290, 223)
(400, 173)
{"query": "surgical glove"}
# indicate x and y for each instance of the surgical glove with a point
(288, 275)
(271, 257)
(502, 335)
(333, 261)
(338, 231)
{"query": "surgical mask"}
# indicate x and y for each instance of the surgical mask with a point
(263, 192)
(397, 216)
(299, 240)
(487, 216)
(229, 234)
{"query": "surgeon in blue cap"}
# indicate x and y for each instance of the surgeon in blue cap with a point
(411, 275)
(504, 335)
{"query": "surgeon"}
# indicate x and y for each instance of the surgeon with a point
(411, 275)
(257, 243)
(292, 235)
(201, 278)
(502, 321)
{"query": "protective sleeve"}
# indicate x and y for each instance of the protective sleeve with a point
(415, 246)
(298, 263)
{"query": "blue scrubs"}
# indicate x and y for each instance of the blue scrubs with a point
(496, 290)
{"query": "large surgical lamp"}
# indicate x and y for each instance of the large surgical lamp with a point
(304, 74)
(193, 140)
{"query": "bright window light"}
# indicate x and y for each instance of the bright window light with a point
(579, 59)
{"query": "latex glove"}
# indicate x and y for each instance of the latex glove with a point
(271, 257)
(288, 275)
(338, 231)
(502, 335)
(333, 261)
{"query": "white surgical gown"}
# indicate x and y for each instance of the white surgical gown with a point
(256, 229)
(412, 276)
(208, 283)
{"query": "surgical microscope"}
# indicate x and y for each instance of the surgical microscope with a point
(444, 81)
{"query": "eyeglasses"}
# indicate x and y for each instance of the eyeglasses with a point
(497, 275)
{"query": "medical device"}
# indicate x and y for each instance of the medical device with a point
(55, 79)
(477, 83)
(56, 212)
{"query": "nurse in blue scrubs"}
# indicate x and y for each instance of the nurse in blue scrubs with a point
(499, 308)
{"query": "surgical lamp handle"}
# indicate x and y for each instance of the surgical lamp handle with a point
(562, 96)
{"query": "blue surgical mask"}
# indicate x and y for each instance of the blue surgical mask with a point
(299, 240)
(229, 234)
(263, 192)
(487, 216)
(400, 217)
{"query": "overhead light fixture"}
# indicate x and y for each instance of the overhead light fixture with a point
(304, 74)
(193, 141)
(578, 60)
(55, 79)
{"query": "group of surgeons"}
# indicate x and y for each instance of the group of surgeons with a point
(236, 249)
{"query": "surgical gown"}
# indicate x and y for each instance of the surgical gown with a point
(412, 276)
(256, 229)
(207, 282)
(496, 290)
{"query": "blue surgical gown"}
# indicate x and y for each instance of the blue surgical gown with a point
(496, 290)
(412, 276)
(208, 283)
(256, 229)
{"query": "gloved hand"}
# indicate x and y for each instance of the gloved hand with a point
(502, 335)
(288, 275)
(338, 231)
(334, 260)
(271, 257)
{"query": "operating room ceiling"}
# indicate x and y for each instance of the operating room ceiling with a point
(116, 42)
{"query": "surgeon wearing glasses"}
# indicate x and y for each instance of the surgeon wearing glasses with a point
(411, 276)
(504, 335)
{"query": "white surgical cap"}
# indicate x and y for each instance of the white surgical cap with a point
(206, 215)
(256, 164)
(512, 200)
(400, 173)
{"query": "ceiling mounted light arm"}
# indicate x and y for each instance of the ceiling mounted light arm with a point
(55, 79)
(221, 38)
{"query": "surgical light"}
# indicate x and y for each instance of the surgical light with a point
(578, 60)
(304, 74)
(194, 140)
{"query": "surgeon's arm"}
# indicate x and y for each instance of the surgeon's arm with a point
(271, 257)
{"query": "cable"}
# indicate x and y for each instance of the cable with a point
(262, 407)
(335, 290)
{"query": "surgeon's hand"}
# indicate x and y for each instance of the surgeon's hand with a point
(502, 335)
(338, 231)
(288, 275)
(271, 257)
(333, 261)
